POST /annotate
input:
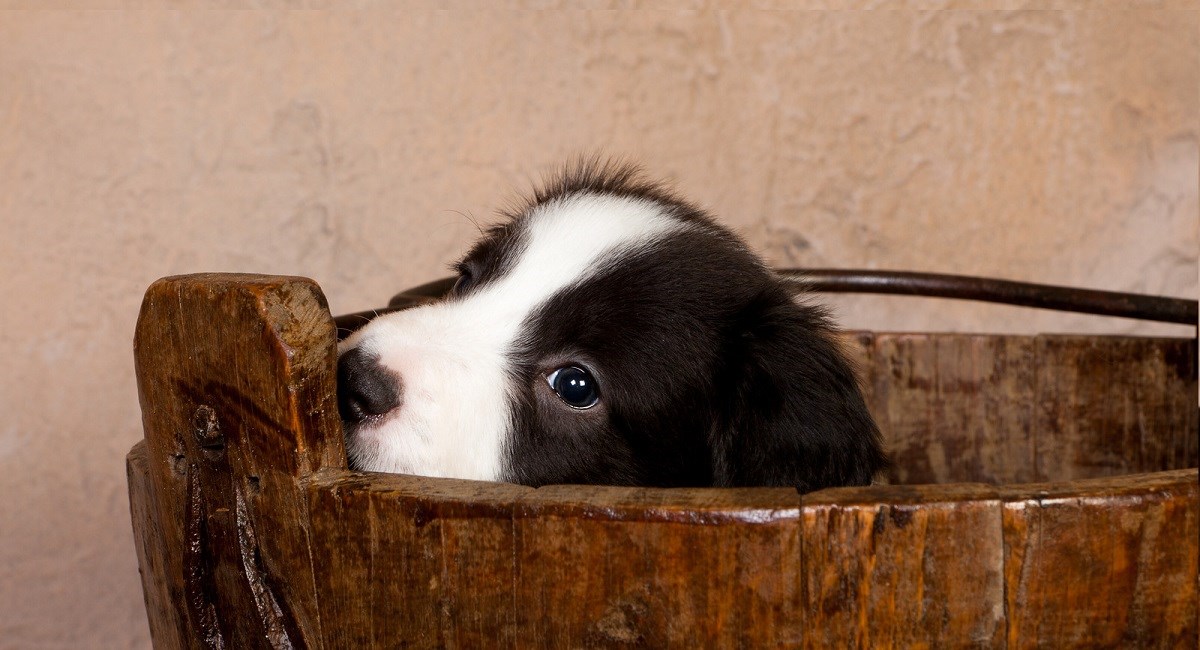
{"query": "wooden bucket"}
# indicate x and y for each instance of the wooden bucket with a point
(1044, 494)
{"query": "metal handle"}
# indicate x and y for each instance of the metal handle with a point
(1024, 294)
(904, 283)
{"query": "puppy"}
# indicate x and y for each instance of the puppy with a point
(608, 332)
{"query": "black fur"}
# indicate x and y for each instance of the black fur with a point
(709, 372)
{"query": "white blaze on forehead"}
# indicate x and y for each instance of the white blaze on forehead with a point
(567, 240)
(452, 356)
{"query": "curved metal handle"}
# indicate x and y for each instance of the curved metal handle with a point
(906, 283)
(1024, 294)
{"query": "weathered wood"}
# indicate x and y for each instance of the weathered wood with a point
(409, 561)
(1103, 563)
(236, 377)
(421, 562)
(953, 407)
(251, 532)
(902, 566)
(167, 627)
(1013, 409)
(689, 568)
(1109, 406)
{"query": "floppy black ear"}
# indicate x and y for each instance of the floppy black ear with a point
(795, 414)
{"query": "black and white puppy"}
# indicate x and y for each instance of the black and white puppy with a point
(610, 333)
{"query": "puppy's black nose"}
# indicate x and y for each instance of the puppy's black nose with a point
(365, 387)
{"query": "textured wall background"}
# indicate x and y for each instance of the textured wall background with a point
(1060, 147)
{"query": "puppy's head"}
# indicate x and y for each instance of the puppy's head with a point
(608, 333)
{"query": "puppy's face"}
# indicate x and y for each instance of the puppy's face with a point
(608, 333)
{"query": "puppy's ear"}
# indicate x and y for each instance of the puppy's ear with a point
(795, 414)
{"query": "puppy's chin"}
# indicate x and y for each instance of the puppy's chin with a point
(359, 456)
(365, 451)
(397, 445)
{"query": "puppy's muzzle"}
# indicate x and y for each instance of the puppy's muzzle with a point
(365, 388)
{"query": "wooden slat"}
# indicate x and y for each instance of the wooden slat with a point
(406, 561)
(624, 567)
(1109, 406)
(1167, 395)
(343, 543)
(1103, 563)
(902, 566)
(479, 565)
(168, 629)
(1015, 409)
(954, 407)
(236, 376)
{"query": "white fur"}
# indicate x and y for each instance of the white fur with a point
(455, 416)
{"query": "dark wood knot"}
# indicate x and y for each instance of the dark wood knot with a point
(208, 432)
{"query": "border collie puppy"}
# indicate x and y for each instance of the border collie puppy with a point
(608, 332)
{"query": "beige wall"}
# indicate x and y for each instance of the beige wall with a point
(1035, 146)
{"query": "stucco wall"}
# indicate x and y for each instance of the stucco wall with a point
(1036, 146)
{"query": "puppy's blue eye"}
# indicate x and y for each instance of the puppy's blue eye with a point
(575, 386)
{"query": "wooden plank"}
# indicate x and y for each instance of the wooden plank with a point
(236, 376)
(1114, 405)
(1006, 450)
(619, 567)
(954, 407)
(1103, 563)
(1169, 420)
(902, 566)
(408, 561)
(1015, 409)
(901, 380)
(478, 542)
(342, 522)
(167, 628)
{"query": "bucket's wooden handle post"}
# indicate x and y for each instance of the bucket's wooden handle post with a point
(236, 375)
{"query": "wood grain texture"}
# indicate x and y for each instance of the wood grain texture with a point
(901, 566)
(1109, 406)
(954, 407)
(167, 627)
(236, 377)
(1103, 563)
(687, 568)
(1015, 409)
(414, 562)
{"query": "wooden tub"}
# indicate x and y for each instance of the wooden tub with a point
(1045, 494)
